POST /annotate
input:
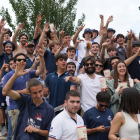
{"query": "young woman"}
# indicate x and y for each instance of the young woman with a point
(99, 66)
(126, 121)
(114, 88)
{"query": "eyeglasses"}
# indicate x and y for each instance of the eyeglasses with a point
(21, 60)
(96, 65)
(87, 64)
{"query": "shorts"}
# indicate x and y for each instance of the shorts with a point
(2, 99)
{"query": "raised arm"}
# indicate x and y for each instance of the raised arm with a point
(37, 60)
(14, 40)
(77, 33)
(102, 23)
(77, 42)
(74, 80)
(102, 55)
(88, 47)
(108, 21)
(61, 36)
(55, 33)
(19, 71)
(129, 44)
(2, 23)
(41, 66)
(103, 32)
(3, 31)
(37, 29)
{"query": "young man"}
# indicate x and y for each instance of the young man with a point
(99, 66)
(89, 84)
(68, 120)
(22, 39)
(81, 46)
(110, 32)
(20, 84)
(35, 114)
(111, 51)
(71, 67)
(97, 119)
(71, 51)
(56, 82)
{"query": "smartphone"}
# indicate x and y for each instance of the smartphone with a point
(107, 126)
(51, 27)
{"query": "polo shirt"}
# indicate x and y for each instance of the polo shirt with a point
(89, 89)
(50, 62)
(29, 62)
(63, 127)
(82, 50)
(19, 84)
(39, 117)
(107, 65)
(134, 68)
(81, 64)
(121, 52)
(58, 88)
(94, 118)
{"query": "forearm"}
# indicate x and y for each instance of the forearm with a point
(15, 36)
(60, 39)
(102, 55)
(24, 91)
(41, 67)
(130, 59)
(36, 32)
(112, 137)
(41, 39)
(58, 52)
(55, 36)
(91, 131)
(76, 81)
(1, 43)
(33, 66)
(39, 30)
(135, 38)
(101, 25)
(107, 23)
(75, 46)
(129, 48)
(102, 40)
(75, 37)
(1, 75)
(87, 53)
(43, 132)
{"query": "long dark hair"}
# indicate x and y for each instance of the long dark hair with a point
(116, 75)
(130, 101)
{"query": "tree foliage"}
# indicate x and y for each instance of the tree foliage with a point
(60, 12)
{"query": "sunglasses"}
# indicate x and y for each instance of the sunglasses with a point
(21, 60)
(102, 105)
(87, 64)
(96, 65)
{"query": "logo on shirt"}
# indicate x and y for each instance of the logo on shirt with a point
(98, 117)
(32, 123)
(39, 117)
(52, 76)
(139, 61)
(109, 118)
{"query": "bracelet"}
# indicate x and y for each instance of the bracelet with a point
(128, 39)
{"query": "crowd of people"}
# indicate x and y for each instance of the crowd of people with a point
(51, 86)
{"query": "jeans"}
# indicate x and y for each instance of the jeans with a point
(9, 133)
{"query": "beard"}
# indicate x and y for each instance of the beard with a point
(90, 71)
(71, 72)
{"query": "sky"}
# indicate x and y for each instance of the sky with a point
(126, 14)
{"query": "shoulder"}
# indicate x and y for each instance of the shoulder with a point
(89, 111)
(82, 76)
(48, 106)
(119, 116)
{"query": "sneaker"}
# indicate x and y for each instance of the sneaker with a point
(4, 131)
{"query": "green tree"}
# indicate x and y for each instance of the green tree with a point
(60, 12)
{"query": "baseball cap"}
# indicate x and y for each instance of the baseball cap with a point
(135, 43)
(87, 30)
(111, 29)
(29, 44)
(94, 30)
(9, 42)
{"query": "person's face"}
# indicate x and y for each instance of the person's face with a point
(108, 41)
(12, 64)
(8, 49)
(110, 33)
(135, 49)
(113, 63)
(45, 42)
(101, 106)
(73, 104)
(67, 39)
(94, 48)
(56, 47)
(121, 68)
(37, 93)
(120, 40)
(23, 40)
(112, 53)
(89, 67)
(51, 34)
(30, 49)
(61, 63)
(94, 34)
(98, 67)
(6, 37)
(71, 69)
(87, 35)
(21, 58)
(71, 54)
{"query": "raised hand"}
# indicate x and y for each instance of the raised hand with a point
(20, 27)
(70, 78)
(20, 66)
(46, 27)
(78, 41)
(61, 33)
(4, 30)
(110, 18)
(113, 38)
(38, 22)
(37, 60)
(101, 16)
(103, 30)
(2, 22)
(38, 17)
(4, 66)
(41, 53)
(54, 29)
(105, 45)
(81, 27)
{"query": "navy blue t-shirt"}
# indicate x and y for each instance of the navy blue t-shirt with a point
(81, 64)
(19, 84)
(107, 65)
(50, 62)
(94, 118)
(58, 88)
(134, 68)
(29, 62)
(39, 117)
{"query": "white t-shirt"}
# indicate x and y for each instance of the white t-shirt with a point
(97, 39)
(82, 50)
(89, 89)
(63, 127)
(64, 50)
(77, 65)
